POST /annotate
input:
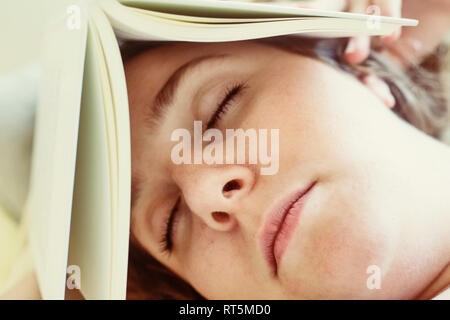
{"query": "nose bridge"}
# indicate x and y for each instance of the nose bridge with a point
(208, 189)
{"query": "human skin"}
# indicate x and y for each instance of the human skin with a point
(381, 194)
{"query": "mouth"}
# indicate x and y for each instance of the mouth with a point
(280, 225)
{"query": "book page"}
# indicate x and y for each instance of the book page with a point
(90, 234)
(49, 203)
(235, 9)
(120, 218)
(130, 23)
(101, 214)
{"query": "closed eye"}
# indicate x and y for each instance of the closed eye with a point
(167, 233)
(225, 103)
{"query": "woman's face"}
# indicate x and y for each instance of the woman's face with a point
(335, 138)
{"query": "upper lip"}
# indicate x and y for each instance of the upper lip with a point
(274, 222)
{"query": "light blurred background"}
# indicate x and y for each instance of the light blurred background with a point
(22, 24)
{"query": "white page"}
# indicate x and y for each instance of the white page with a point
(133, 24)
(235, 9)
(101, 214)
(90, 234)
(49, 203)
(118, 132)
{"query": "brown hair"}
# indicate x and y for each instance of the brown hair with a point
(419, 101)
(149, 279)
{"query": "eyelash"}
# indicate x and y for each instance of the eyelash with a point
(224, 104)
(221, 110)
(166, 238)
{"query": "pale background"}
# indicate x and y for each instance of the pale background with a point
(22, 24)
(22, 28)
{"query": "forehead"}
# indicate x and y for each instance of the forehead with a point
(158, 63)
(154, 66)
(147, 73)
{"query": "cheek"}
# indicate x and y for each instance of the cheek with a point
(343, 234)
(342, 247)
(215, 263)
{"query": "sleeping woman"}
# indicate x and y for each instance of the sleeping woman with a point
(359, 207)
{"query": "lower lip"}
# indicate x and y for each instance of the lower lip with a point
(288, 227)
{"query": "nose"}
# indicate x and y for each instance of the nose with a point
(215, 194)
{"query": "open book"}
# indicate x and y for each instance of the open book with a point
(79, 201)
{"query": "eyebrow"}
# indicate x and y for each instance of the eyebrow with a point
(164, 98)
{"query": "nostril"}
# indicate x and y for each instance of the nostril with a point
(220, 216)
(232, 185)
